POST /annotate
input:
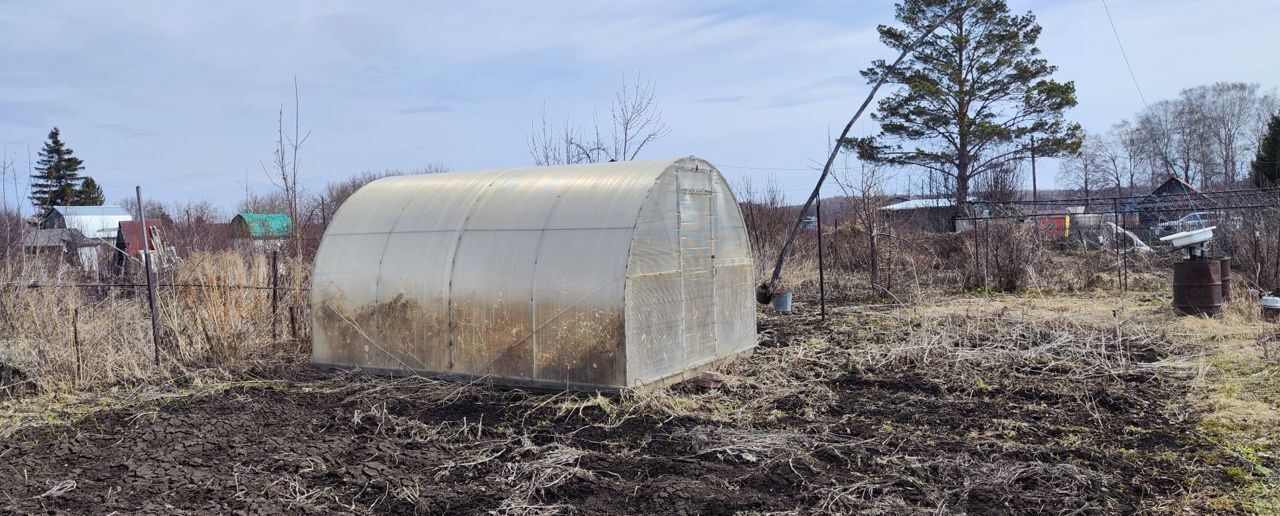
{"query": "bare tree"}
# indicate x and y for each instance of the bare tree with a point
(865, 190)
(766, 215)
(637, 119)
(1204, 135)
(284, 170)
(1082, 171)
(1002, 184)
(635, 122)
(1119, 156)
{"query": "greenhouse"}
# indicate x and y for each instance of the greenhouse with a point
(583, 277)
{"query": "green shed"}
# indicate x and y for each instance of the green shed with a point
(261, 226)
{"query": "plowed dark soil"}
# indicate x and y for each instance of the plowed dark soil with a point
(892, 441)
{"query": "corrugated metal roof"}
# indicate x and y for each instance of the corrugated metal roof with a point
(97, 222)
(75, 211)
(262, 225)
(915, 204)
(54, 238)
(130, 236)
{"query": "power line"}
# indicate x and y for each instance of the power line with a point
(740, 167)
(1124, 54)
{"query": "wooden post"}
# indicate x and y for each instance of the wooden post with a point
(275, 295)
(151, 287)
(822, 279)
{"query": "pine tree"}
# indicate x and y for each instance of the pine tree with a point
(89, 193)
(1265, 171)
(57, 176)
(971, 97)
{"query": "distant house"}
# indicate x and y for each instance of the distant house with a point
(69, 245)
(1171, 200)
(98, 223)
(934, 215)
(260, 231)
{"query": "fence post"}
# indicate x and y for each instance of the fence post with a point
(151, 288)
(822, 279)
(275, 295)
(75, 339)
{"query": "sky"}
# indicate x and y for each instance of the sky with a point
(182, 97)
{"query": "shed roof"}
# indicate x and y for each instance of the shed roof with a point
(262, 225)
(58, 237)
(97, 222)
(129, 238)
(82, 211)
(915, 204)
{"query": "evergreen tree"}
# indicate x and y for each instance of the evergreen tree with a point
(89, 193)
(57, 175)
(1265, 171)
(972, 96)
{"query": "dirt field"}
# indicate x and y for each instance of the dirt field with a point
(976, 406)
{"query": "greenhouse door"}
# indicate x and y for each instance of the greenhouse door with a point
(696, 263)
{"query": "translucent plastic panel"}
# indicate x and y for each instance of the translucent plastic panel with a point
(655, 247)
(732, 246)
(735, 309)
(578, 307)
(412, 307)
(375, 208)
(518, 201)
(655, 336)
(343, 297)
(608, 197)
(443, 202)
(490, 306)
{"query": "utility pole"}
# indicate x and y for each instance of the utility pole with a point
(1035, 194)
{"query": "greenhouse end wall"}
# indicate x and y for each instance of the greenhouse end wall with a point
(587, 277)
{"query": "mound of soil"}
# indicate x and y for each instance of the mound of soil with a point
(891, 441)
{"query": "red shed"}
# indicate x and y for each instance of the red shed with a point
(129, 238)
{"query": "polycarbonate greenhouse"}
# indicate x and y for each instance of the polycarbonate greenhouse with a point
(584, 277)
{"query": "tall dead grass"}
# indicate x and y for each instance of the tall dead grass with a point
(59, 333)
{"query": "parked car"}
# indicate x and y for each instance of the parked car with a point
(1199, 220)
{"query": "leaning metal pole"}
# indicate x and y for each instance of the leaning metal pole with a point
(764, 292)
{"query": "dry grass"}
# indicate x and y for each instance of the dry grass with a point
(61, 337)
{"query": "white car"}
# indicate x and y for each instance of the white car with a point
(1197, 220)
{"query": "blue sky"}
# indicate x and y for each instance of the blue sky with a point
(181, 97)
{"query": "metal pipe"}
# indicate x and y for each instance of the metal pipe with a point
(765, 291)
(151, 287)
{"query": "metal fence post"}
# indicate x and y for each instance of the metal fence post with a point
(151, 288)
(275, 295)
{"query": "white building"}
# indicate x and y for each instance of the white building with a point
(97, 223)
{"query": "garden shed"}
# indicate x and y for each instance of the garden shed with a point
(261, 226)
(583, 277)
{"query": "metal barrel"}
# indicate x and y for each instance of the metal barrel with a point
(1226, 279)
(1197, 287)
